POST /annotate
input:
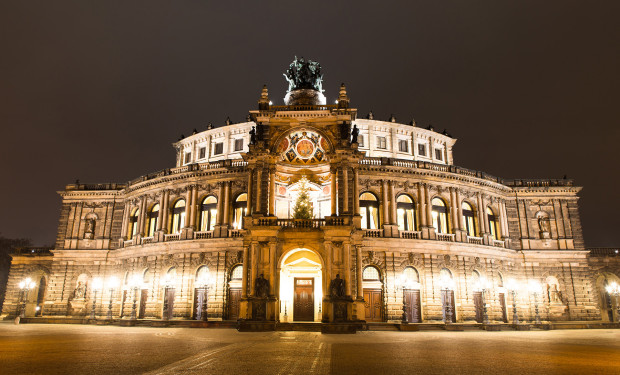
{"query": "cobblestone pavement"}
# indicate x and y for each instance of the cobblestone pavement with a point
(73, 349)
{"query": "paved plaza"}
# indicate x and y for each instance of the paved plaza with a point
(73, 349)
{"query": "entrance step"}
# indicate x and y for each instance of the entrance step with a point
(300, 326)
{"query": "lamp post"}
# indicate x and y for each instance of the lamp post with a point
(535, 289)
(96, 286)
(134, 284)
(482, 285)
(512, 287)
(112, 284)
(446, 284)
(614, 290)
(24, 286)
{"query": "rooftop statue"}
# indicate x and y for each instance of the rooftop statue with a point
(304, 74)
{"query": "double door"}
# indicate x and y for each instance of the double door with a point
(412, 304)
(373, 304)
(303, 300)
(234, 298)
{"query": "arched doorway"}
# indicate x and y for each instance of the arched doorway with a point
(234, 291)
(301, 291)
(608, 303)
(373, 294)
(169, 290)
(38, 310)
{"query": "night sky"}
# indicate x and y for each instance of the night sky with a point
(98, 90)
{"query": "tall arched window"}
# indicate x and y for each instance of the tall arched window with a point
(178, 216)
(369, 210)
(208, 213)
(405, 212)
(411, 275)
(492, 223)
(132, 229)
(370, 273)
(236, 273)
(152, 220)
(440, 215)
(240, 209)
(469, 219)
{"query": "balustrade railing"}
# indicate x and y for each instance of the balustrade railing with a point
(301, 223)
(127, 243)
(200, 235)
(235, 233)
(146, 240)
(373, 233)
(499, 243)
(410, 234)
(605, 251)
(447, 237)
(474, 240)
(172, 237)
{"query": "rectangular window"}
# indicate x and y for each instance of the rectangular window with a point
(439, 154)
(381, 143)
(188, 157)
(360, 141)
(202, 152)
(239, 144)
(218, 149)
(421, 149)
(403, 145)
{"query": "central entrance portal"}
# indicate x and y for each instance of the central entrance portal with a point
(300, 287)
(303, 301)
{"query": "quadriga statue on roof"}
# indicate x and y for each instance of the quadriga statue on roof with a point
(304, 74)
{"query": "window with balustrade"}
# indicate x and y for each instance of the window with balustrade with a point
(132, 227)
(440, 215)
(240, 209)
(178, 216)
(405, 213)
(492, 220)
(208, 213)
(151, 225)
(469, 219)
(369, 210)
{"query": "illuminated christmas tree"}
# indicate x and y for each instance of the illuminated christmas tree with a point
(303, 206)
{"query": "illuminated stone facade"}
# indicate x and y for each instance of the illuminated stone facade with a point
(213, 238)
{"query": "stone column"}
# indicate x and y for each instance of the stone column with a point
(272, 192)
(226, 206)
(454, 210)
(333, 193)
(272, 268)
(164, 223)
(254, 270)
(356, 192)
(346, 248)
(244, 277)
(506, 230)
(126, 214)
(392, 198)
(142, 218)
(160, 214)
(194, 207)
(459, 209)
(429, 207)
(358, 269)
(386, 213)
(188, 206)
(345, 190)
(250, 195)
(422, 206)
(481, 221)
(259, 196)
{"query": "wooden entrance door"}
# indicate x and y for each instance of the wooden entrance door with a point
(200, 303)
(502, 304)
(144, 294)
(412, 301)
(373, 303)
(234, 297)
(478, 305)
(303, 301)
(168, 303)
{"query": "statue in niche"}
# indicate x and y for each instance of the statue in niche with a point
(89, 231)
(354, 134)
(253, 135)
(80, 290)
(336, 287)
(261, 287)
(544, 226)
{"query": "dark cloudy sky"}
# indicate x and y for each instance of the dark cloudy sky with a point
(98, 90)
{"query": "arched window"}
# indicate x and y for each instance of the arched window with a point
(445, 279)
(500, 280)
(370, 273)
(411, 276)
(152, 220)
(208, 213)
(369, 210)
(146, 277)
(440, 215)
(236, 273)
(405, 212)
(492, 223)
(469, 219)
(203, 277)
(240, 209)
(178, 216)
(132, 229)
(170, 278)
